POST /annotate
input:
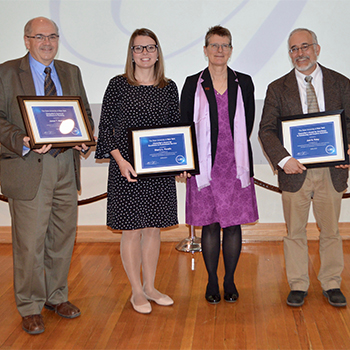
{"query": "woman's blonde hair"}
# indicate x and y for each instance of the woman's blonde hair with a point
(159, 76)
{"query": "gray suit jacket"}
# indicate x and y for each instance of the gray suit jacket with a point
(20, 176)
(283, 99)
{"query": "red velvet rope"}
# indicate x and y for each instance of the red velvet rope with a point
(104, 195)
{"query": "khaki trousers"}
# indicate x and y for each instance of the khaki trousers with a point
(319, 189)
(43, 235)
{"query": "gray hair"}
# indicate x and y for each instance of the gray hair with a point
(218, 30)
(314, 37)
(28, 26)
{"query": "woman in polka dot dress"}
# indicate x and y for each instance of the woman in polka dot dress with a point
(141, 97)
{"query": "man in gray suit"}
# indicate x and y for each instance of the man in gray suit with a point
(323, 186)
(41, 188)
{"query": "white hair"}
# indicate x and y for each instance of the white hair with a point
(314, 37)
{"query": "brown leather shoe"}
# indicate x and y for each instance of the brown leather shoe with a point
(66, 310)
(33, 324)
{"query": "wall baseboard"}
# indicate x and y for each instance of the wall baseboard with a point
(251, 233)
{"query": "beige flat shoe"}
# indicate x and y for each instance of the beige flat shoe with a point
(163, 301)
(142, 309)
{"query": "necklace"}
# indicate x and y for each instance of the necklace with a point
(221, 87)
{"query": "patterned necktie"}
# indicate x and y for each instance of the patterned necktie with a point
(49, 85)
(312, 105)
(50, 90)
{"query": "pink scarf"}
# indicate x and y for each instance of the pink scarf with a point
(241, 142)
(201, 119)
(202, 126)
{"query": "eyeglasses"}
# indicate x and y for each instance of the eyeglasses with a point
(42, 37)
(303, 48)
(224, 47)
(139, 48)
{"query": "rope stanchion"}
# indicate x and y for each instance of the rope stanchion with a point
(81, 202)
(192, 244)
(93, 199)
(104, 195)
(276, 189)
(267, 186)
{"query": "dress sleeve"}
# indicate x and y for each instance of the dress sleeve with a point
(174, 108)
(107, 135)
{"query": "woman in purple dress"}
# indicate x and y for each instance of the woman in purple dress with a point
(221, 104)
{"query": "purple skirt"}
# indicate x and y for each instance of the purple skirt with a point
(224, 201)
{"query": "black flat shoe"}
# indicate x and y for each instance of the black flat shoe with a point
(231, 297)
(335, 297)
(296, 298)
(213, 299)
(230, 293)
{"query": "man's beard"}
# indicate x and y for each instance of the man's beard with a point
(303, 68)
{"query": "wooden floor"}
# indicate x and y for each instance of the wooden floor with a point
(259, 320)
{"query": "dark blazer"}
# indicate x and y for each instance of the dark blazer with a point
(247, 87)
(20, 176)
(283, 99)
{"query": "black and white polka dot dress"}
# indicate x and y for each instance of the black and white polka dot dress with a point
(149, 202)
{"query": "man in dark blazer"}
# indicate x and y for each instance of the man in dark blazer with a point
(41, 188)
(323, 186)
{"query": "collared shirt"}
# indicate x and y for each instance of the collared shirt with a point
(38, 74)
(317, 82)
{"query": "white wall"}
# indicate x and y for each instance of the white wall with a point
(94, 35)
